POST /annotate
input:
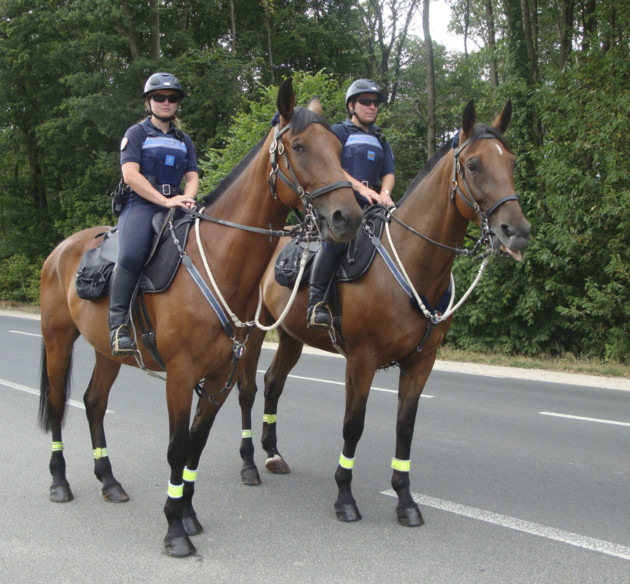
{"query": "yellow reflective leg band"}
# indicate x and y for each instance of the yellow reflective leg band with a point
(175, 491)
(190, 476)
(99, 453)
(347, 463)
(270, 418)
(401, 465)
(57, 446)
(246, 434)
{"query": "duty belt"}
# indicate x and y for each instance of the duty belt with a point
(169, 190)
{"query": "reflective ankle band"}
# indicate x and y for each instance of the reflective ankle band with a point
(246, 434)
(270, 418)
(401, 465)
(175, 491)
(57, 446)
(99, 453)
(190, 476)
(347, 463)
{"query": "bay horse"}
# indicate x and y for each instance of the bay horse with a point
(380, 326)
(248, 214)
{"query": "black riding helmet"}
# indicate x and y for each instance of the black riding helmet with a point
(365, 86)
(159, 81)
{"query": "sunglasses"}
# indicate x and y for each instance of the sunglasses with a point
(367, 102)
(161, 98)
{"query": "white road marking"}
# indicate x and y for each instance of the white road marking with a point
(27, 334)
(342, 383)
(583, 419)
(567, 537)
(70, 402)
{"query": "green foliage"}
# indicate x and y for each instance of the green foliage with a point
(19, 279)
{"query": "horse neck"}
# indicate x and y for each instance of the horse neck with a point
(237, 257)
(429, 210)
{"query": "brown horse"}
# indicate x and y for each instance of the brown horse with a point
(191, 340)
(473, 182)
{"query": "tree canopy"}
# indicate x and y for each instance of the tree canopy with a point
(71, 79)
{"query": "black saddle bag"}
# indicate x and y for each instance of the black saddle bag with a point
(93, 275)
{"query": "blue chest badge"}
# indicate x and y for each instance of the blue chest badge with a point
(371, 155)
(169, 160)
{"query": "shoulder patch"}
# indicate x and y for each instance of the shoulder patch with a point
(123, 143)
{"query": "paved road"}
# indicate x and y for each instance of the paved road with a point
(519, 480)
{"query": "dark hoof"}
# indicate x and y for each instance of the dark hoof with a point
(179, 546)
(192, 525)
(410, 516)
(276, 465)
(250, 476)
(61, 493)
(115, 494)
(348, 512)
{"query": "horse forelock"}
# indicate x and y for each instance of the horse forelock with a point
(212, 197)
(303, 118)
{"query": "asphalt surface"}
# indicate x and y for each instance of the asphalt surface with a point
(519, 480)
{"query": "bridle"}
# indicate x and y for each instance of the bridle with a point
(276, 151)
(458, 174)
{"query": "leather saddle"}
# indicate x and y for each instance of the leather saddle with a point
(96, 265)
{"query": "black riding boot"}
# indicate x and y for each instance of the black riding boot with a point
(121, 288)
(317, 312)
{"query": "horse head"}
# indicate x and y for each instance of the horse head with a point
(308, 161)
(483, 182)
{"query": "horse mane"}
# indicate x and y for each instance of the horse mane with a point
(478, 131)
(302, 118)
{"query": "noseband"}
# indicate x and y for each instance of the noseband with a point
(467, 197)
(276, 151)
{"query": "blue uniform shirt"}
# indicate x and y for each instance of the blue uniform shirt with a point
(163, 158)
(366, 156)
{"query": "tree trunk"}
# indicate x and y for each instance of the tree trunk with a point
(269, 48)
(529, 39)
(566, 31)
(492, 43)
(233, 23)
(156, 52)
(428, 43)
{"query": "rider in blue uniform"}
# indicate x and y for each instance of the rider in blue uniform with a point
(368, 163)
(155, 156)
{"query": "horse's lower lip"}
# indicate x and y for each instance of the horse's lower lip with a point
(516, 255)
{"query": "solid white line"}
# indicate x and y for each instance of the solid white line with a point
(567, 537)
(27, 334)
(598, 420)
(342, 383)
(70, 402)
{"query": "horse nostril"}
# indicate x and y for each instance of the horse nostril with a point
(339, 219)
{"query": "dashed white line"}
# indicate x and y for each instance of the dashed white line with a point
(567, 537)
(583, 419)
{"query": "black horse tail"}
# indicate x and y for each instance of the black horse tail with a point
(44, 389)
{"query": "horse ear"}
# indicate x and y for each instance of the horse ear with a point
(503, 119)
(470, 118)
(286, 101)
(315, 106)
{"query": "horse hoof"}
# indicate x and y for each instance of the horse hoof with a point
(275, 464)
(410, 516)
(179, 546)
(61, 493)
(348, 512)
(192, 525)
(250, 477)
(115, 494)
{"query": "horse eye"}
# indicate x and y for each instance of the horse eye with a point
(472, 165)
(297, 147)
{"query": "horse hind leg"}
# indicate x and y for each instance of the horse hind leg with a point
(95, 400)
(56, 374)
(287, 355)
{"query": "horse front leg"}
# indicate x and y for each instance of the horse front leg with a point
(359, 375)
(205, 414)
(411, 382)
(95, 400)
(247, 390)
(286, 357)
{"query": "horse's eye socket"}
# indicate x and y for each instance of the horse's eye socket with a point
(472, 165)
(297, 147)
